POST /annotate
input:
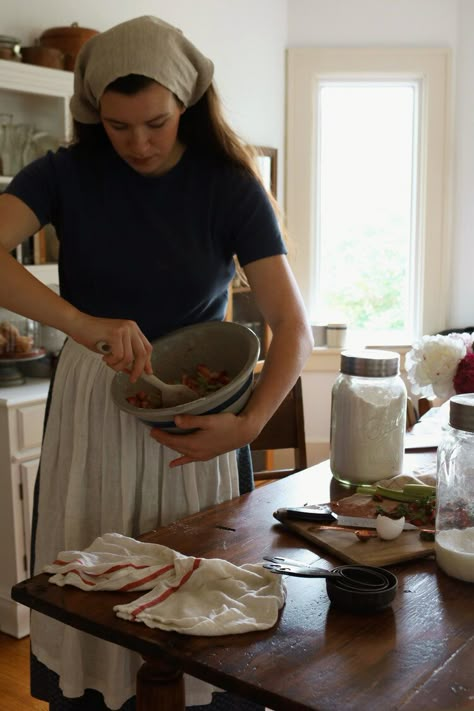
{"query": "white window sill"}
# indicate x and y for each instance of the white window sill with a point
(324, 359)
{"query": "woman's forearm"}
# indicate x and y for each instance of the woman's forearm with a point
(283, 310)
(22, 293)
(289, 350)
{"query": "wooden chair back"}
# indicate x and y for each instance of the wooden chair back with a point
(284, 430)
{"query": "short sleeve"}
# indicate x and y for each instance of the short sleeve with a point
(253, 225)
(35, 186)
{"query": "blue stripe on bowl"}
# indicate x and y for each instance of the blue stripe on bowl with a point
(223, 405)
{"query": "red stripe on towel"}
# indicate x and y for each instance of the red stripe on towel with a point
(128, 586)
(113, 569)
(78, 572)
(152, 576)
(119, 566)
(170, 591)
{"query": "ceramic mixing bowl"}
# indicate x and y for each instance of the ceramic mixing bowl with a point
(220, 345)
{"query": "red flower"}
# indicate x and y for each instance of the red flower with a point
(463, 380)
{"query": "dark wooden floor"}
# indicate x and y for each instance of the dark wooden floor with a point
(15, 676)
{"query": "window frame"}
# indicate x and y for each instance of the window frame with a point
(431, 68)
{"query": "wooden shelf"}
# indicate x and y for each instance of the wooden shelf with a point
(29, 78)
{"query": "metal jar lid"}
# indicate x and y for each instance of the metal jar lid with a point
(461, 412)
(370, 363)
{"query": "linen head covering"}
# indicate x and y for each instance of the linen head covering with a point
(147, 46)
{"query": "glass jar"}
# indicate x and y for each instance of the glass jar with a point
(19, 337)
(10, 48)
(6, 123)
(368, 417)
(454, 537)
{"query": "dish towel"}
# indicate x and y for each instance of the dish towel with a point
(195, 596)
(425, 474)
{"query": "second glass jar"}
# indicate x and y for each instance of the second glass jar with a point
(454, 538)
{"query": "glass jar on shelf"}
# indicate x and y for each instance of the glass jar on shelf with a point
(6, 124)
(19, 341)
(10, 48)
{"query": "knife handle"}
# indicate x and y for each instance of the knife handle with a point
(306, 513)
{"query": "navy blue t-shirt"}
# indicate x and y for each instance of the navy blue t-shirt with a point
(158, 250)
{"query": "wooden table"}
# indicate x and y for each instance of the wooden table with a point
(416, 655)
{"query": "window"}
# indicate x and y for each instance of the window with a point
(367, 188)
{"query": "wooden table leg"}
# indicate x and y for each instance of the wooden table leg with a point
(160, 687)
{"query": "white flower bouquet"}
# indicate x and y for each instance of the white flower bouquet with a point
(440, 366)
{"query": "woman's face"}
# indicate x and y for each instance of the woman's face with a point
(143, 128)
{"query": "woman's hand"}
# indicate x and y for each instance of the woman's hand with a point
(216, 434)
(129, 348)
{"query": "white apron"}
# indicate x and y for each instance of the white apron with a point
(101, 472)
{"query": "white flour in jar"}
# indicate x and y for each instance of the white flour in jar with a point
(455, 553)
(367, 430)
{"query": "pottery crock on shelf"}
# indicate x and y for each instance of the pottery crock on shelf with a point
(68, 39)
(43, 56)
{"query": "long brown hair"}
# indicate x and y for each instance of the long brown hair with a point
(203, 126)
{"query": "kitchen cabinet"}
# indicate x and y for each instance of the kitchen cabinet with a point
(22, 411)
(39, 97)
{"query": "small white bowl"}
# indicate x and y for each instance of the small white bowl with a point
(221, 345)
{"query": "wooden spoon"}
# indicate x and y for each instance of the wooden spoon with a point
(171, 395)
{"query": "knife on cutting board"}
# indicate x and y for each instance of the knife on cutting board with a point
(324, 514)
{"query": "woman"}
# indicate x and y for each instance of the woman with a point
(150, 204)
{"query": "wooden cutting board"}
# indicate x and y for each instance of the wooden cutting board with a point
(346, 546)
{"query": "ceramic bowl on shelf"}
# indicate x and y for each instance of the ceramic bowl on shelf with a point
(43, 56)
(219, 345)
(68, 40)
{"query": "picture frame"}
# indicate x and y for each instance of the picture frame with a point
(267, 164)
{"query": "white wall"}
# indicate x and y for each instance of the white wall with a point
(372, 22)
(462, 284)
